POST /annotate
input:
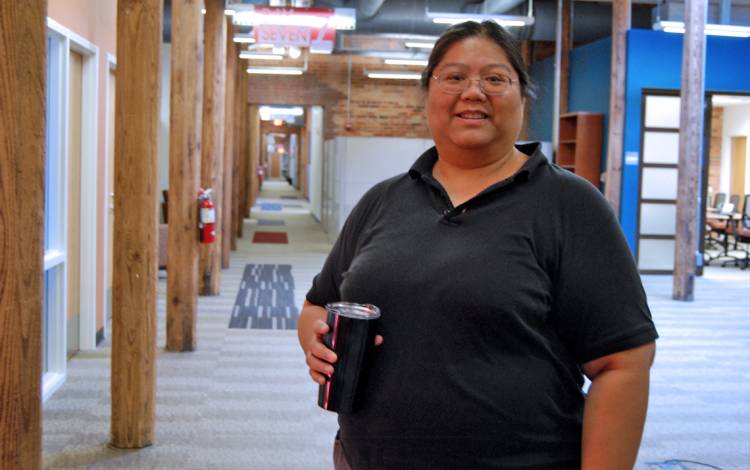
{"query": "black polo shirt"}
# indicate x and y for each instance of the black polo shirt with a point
(489, 309)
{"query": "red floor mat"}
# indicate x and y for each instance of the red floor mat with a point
(270, 237)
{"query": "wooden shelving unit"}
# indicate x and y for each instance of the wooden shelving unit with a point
(580, 145)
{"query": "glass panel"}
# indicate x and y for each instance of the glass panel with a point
(656, 254)
(53, 171)
(45, 322)
(663, 111)
(658, 219)
(661, 147)
(659, 183)
(47, 145)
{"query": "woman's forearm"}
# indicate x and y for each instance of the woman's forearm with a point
(614, 415)
(615, 408)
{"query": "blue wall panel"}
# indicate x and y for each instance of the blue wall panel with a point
(540, 111)
(655, 61)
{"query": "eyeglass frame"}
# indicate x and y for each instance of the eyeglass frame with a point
(481, 86)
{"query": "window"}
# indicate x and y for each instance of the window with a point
(53, 325)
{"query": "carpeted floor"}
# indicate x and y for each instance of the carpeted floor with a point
(244, 401)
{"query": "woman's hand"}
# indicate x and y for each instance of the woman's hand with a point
(311, 328)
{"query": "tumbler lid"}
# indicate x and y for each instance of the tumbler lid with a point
(354, 310)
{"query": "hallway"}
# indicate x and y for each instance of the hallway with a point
(243, 399)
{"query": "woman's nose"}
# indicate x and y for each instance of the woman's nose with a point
(474, 89)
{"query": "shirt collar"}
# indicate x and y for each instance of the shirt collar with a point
(423, 166)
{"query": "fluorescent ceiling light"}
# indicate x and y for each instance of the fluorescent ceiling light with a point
(502, 20)
(340, 18)
(203, 11)
(229, 12)
(267, 112)
(243, 39)
(259, 56)
(274, 71)
(419, 45)
(422, 62)
(394, 75)
(709, 29)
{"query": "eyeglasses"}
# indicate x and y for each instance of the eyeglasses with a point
(456, 83)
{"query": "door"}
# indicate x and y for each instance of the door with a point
(657, 205)
(75, 94)
(110, 196)
(739, 159)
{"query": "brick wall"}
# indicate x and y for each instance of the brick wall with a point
(714, 162)
(377, 107)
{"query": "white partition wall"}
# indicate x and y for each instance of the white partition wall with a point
(657, 207)
(355, 164)
(316, 161)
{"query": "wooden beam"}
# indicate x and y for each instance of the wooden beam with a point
(239, 78)
(244, 145)
(621, 13)
(253, 155)
(562, 66)
(565, 47)
(184, 173)
(23, 46)
(231, 77)
(252, 114)
(139, 36)
(212, 161)
(690, 149)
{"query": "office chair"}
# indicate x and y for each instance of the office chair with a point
(741, 233)
(719, 200)
(734, 200)
(717, 227)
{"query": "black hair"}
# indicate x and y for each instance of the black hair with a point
(487, 29)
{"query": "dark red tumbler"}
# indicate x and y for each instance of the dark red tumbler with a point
(352, 338)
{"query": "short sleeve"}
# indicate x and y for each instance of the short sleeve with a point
(600, 306)
(325, 285)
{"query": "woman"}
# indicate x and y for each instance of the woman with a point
(501, 279)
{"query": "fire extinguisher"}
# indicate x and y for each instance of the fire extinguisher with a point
(207, 217)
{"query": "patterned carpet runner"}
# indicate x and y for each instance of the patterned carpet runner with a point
(270, 237)
(265, 299)
(271, 222)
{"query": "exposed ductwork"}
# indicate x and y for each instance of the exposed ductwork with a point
(368, 8)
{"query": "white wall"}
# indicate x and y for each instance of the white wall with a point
(736, 123)
(355, 164)
(316, 161)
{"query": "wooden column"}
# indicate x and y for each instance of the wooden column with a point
(242, 155)
(252, 142)
(236, 108)
(613, 177)
(253, 156)
(212, 160)
(565, 47)
(562, 66)
(23, 46)
(184, 173)
(226, 220)
(690, 149)
(139, 35)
